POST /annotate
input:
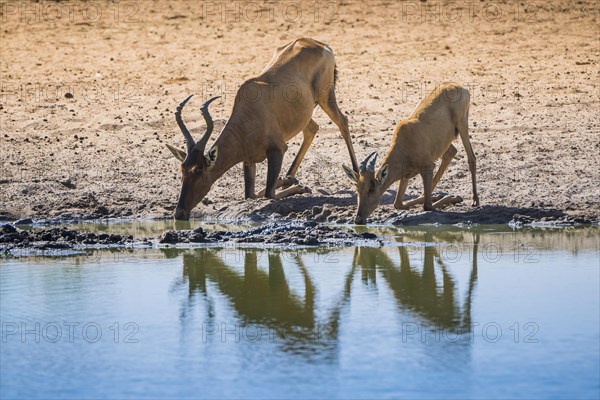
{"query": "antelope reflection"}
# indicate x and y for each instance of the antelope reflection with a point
(259, 297)
(418, 291)
(266, 298)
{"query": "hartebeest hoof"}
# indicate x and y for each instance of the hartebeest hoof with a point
(305, 189)
(446, 201)
(288, 181)
(418, 200)
(292, 190)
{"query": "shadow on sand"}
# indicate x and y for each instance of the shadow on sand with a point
(333, 208)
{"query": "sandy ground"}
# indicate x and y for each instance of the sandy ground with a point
(89, 91)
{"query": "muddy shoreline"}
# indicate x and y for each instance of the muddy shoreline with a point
(49, 237)
(296, 234)
(319, 209)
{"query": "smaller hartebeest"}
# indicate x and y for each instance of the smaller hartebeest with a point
(418, 142)
(269, 110)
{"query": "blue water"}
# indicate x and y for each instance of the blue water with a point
(440, 313)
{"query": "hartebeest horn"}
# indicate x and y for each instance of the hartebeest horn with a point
(366, 166)
(201, 145)
(186, 134)
(371, 166)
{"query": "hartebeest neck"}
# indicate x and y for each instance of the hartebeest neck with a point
(394, 170)
(231, 150)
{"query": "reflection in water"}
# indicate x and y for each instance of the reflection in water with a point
(338, 319)
(265, 297)
(260, 297)
(416, 289)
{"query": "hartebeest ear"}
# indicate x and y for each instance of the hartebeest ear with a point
(350, 173)
(179, 154)
(382, 174)
(211, 156)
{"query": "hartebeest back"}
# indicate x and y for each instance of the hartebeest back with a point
(269, 110)
(418, 142)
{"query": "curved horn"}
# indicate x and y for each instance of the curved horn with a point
(186, 134)
(363, 165)
(201, 145)
(371, 166)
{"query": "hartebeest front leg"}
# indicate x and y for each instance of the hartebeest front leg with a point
(249, 180)
(427, 175)
(446, 160)
(274, 162)
(398, 202)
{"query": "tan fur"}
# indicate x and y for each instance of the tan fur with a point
(269, 110)
(418, 142)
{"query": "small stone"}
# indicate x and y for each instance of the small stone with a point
(102, 210)
(169, 237)
(368, 235)
(7, 228)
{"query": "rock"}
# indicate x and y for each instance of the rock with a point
(368, 235)
(170, 237)
(102, 211)
(23, 221)
(198, 235)
(115, 238)
(7, 228)
(523, 219)
(311, 241)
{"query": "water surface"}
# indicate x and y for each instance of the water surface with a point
(443, 312)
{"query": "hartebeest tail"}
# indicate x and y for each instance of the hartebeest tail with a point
(268, 111)
(418, 142)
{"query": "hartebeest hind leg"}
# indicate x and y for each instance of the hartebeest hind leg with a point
(329, 105)
(463, 130)
(309, 134)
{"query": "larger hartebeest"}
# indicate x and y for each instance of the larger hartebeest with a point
(269, 110)
(418, 142)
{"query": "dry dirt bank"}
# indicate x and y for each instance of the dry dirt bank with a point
(89, 90)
